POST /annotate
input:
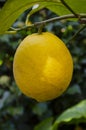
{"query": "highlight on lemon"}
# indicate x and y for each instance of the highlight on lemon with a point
(43, 66)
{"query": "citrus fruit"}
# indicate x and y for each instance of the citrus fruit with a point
(42, 66)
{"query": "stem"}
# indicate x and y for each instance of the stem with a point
(69, 8)
(74, 36)
(47, 21)
(40, 29)
(82, 21)
(59, 18)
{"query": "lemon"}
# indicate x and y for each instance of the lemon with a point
(42, 66)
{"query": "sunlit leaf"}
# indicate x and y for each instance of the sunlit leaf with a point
(13, 8)
(45, 125)
(76, 112)
(78, 6)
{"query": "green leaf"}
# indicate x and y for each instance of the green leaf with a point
(79, 6)
(40, 108)
(13, 8)
(4, 80)
(15, 110)
(74, 89)
(45, 125)
(76, 112)
(10, 12)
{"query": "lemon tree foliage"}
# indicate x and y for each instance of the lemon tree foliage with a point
(45, 125)
(77, 6)
(76, 113)
(18, 112)
(14, 8)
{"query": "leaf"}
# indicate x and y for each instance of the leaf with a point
(13, 8)
(45, 125)
(76, 112)
(79, 6)
(40, 108)
(15, 110)
(74, 89)
(4, 80)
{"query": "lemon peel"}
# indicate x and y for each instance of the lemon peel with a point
(43, 66)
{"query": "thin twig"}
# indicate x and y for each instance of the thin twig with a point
(74, 36)
(46, 21)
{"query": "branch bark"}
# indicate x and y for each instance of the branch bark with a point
(15, 30)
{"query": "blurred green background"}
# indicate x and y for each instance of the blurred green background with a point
(18, 112)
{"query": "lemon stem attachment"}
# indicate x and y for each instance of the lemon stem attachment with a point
(40, 29)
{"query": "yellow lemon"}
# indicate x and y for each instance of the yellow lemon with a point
(42, 66)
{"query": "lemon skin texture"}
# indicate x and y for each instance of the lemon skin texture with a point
(42, 66)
